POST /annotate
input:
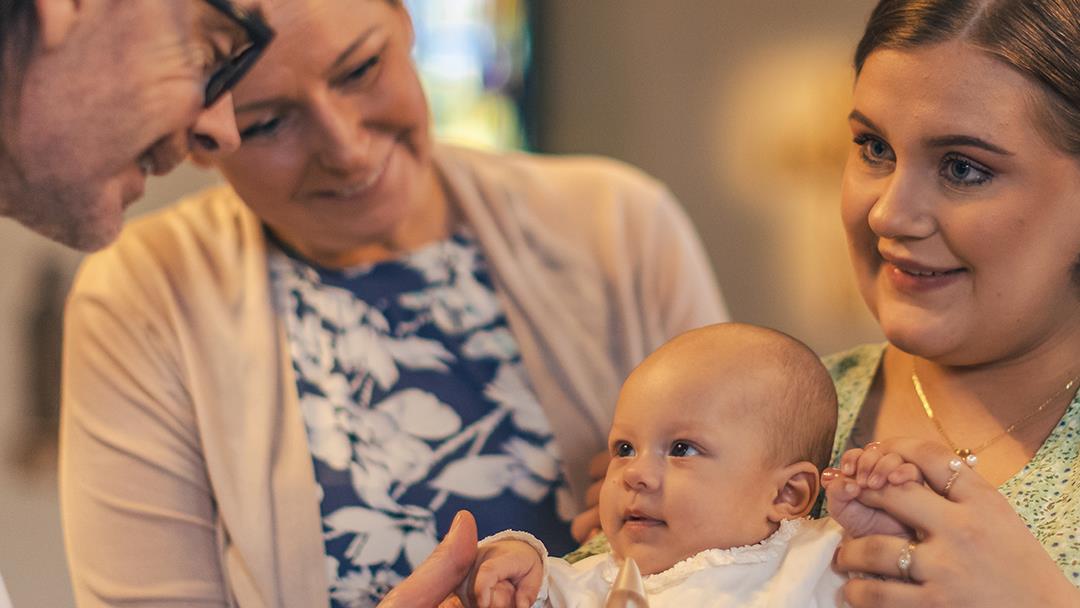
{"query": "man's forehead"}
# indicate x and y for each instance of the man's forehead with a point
(210, 21)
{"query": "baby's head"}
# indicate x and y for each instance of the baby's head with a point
(718, 436)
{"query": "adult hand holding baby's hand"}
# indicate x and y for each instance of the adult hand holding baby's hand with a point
(587, 523)
(974, 550)
(507, 574)
(869, 468)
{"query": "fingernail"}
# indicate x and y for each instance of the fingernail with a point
(457, 521)
(851, 489)
(829, 474)
(848, 469)
(874, 481)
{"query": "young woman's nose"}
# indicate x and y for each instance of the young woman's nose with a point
(903, 209)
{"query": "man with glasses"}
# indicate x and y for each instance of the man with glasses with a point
(97, 94)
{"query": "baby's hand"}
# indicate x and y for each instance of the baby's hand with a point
(507, 574)
(868, 468)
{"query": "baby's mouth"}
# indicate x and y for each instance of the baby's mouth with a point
(639, 519)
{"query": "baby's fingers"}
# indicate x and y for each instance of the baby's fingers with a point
(502, 595)
(840, 491)
(489, 578)
(849, 460)
(867, 461)
(885, 465)
(524, 597)
(905, 473)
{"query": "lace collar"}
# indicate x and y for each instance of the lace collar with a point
(771, 548)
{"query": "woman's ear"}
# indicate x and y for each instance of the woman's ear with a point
(797, 488)
(55, 20)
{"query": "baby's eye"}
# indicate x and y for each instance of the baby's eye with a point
(622, 449)
(682, 449)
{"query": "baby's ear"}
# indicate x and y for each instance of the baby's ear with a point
(797, 488)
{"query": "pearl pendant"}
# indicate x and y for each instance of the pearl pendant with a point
(967, 457)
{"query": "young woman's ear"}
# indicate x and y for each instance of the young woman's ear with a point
(797, 488)
(55, 18)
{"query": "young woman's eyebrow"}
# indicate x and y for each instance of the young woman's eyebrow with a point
(946, 141)
(858, 116)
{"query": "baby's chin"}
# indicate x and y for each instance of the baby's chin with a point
(650, 561)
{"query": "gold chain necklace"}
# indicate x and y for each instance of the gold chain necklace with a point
(968, 454)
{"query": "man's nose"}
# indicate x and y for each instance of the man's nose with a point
(215, 132)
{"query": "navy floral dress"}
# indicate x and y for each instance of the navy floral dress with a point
(416, 404)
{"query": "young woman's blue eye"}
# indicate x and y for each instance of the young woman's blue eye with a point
(873, 150)
(260, 129)
(682, 449)
(960, 171)
(622, 449)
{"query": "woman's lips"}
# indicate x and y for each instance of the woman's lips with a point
(358, 187)
(915, 279)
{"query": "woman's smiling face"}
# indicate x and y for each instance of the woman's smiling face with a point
(335, 151)
(961, 216)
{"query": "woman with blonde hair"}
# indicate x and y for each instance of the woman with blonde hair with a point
(281, 391)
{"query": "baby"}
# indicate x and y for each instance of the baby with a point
(716, 446)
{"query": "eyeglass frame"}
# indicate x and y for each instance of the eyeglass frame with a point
(235, 67)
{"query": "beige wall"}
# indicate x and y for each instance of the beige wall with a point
(739, 107)
(737, 104)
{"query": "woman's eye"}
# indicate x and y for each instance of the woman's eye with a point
(622, 449)
(681, 449)
(363, 70)
(260, 129)
(960, 171)
(873, 150)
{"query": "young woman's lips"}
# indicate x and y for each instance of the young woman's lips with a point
(916, 278)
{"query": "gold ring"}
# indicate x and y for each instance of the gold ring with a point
(948, 484)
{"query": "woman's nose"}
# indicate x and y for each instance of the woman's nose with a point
(345, 145)
(903, 209)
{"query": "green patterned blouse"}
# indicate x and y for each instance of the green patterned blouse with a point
(1046, 493)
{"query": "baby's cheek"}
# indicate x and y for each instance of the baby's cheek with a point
(610, 518)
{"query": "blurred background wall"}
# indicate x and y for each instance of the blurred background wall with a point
(738, 105)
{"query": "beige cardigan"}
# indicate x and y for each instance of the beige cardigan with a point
(185, 472)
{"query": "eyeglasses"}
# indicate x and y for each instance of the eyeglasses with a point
(259, 35)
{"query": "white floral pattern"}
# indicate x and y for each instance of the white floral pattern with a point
(416, 405)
